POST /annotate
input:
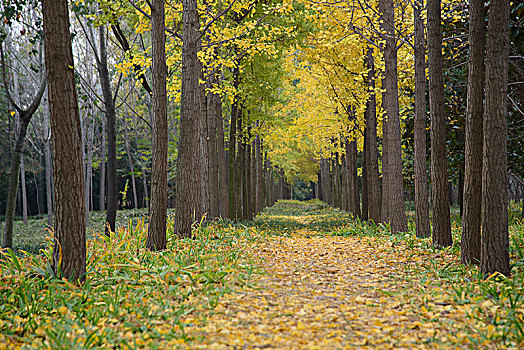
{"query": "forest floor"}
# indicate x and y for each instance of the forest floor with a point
(301, 276)
(329, 285)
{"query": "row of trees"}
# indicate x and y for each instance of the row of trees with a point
(342, 68)
(220, 107)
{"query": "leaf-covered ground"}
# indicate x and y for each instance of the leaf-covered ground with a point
(303, 275)
(331, 284)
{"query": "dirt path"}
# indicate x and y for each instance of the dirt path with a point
(327, 292)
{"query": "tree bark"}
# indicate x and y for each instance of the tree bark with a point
(439, 173)
(351, 161)
(259, 180)
(109, 105)
(222, 165)
(422, 224)
(239, 168)
(48, 163)
(495, 239)
(393, 211)
(69, 252)
(190, 196)
(365, 189)
(212, 111)
(345, 184)
(232, 174)
(156, 234)
(102, 198)
(471, 221)
(23, 189)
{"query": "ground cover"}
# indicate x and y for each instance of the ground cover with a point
(302, 275)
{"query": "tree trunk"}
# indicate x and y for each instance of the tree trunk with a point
(495, 240)
(393, 211)
(259, 180)
(365, 189)
(48, 164)
(23, 189)
(345, 184)
(69, 253)
(232, 197)
(336, 185)
(470, 241)
(212, 110)
(422, 223)
(190, 196)
(102, 199)
(324, 175)
(88, 164)
(239, 168)
(439, 174)
(351, 161)
(112, 190)
(222, 165)
(7, 242)
(156, 234)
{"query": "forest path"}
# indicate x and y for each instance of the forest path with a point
(330, 292)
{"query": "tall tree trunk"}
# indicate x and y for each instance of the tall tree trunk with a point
(246, 190)
(239, 167)
(88, 163)
(212, 110)
(393, 211)
(222, 165)
(109, 106)
(365, 189)
(336, 185)
(351, 161)
(439, 172)
(24, 189)
(232, 200)
(48, 163)
(259, 174)
(102, 198)
(324, 175)
(156, 234)
(69, 252)
(470, 241)
(144, 184)
(495, 240)
(190, 195)
(252, 180)
(345, 184)
(422, 223)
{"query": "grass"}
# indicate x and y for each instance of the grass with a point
(131, 298)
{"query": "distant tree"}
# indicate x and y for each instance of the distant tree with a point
(69, 253)
(495, 239)
(25, 116)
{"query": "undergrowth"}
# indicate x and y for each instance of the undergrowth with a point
(131, 298)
